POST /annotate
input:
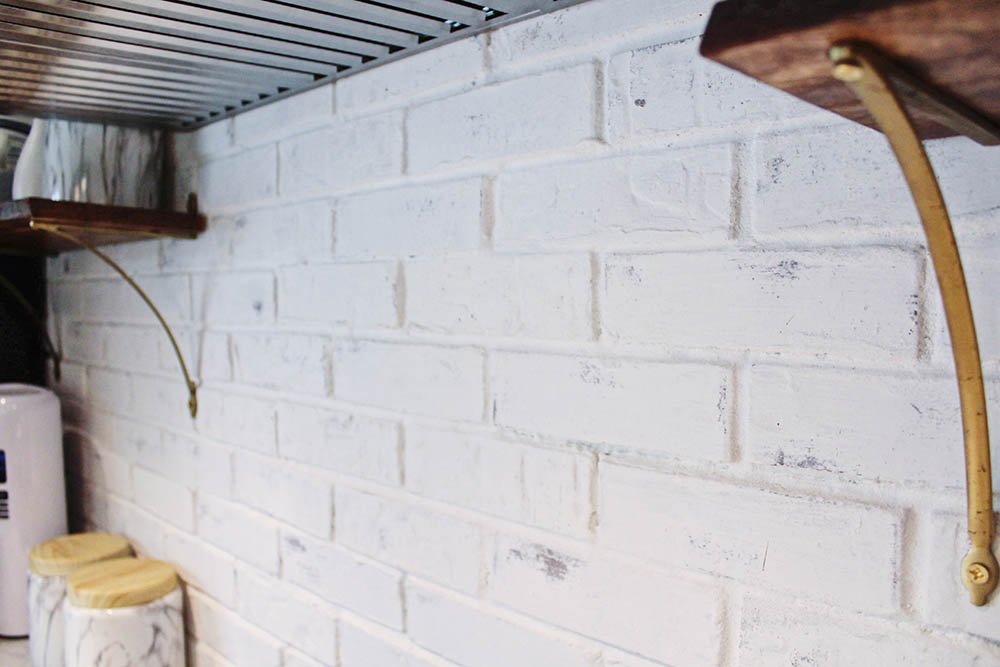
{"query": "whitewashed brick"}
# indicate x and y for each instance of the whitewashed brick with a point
(143, 531)
(202, 655)
(455, 64)
(67, 299)
(99, 467)
(165, 498)
(209, 252)
(208, 352)
(135, 257)
(771, 634)
(198, 465)
(657, 198)
(248, 423)
(946, 599)
(361, 295)
(438, 381)
(133, 440)
(250, 176)
(213, 138)
(290, 493)
(341, 441)
(856, 424)
(289, 362)
(328, 160)
(229, 634)
(676, 409)
(201, 565)
(289, 234)
(838, 552)
(274, 121)
(295, 659)
(587, 26)
(288, 615)
(540, 296)
(801, 185)
(239, 531)
(540, 487)
(233, 298)
(161, 400)
(115, 300)
(82, 342)
(133, 348)
(856, 302)
(442, 548)
(347, 580)
(677, 621)
(413, 220)
(980, 266)
(545, 111)
(468, 634)
(375, 646)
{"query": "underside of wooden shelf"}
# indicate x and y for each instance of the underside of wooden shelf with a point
(954, 46)
(96, 224)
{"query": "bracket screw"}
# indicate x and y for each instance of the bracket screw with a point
(848, 71)
(978, 573)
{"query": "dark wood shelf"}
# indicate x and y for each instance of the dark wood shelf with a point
(953, 45)
(97, 224)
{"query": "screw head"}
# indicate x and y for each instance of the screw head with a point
(978, 573)
(848, 71)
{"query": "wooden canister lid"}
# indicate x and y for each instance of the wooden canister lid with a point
(121, 582)
(65, 555)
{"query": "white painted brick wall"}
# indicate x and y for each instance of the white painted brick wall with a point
(555, 346)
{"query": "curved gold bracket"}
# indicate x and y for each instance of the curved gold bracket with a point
(191, 386)
(868, 76)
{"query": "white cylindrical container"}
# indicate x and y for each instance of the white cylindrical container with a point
(51, 563)
(126, 611)
(32, 492)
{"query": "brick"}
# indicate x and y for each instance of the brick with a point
(250, 176)
(979, 264)
(374, 646)
(288, 362)
(413, 220)
(202, 655)
(652, 198)
(545, 488)
(677, 621)
(945, 600)
(583, 28)
(539, 297)
(490, 122)
(341, 441)
(295, 659)
(273, 121)
(290, 234)
(246, 534)
(442, 548)
(134, 257)
(101, 468)
(67, 299)
(143, 531)
(82, 342)
(468, 633)
(844, 553)
(208, 352)
(245, 422)
(134, 440)
(446, 67)
(359, 295)
(288, 615)
(290, 493)
(214, 138)
(345, 579)
(162, 400)
(851, 303)
(423, 379)
(677, 409)
(133, 348)
(115, 301)
(771, 634)
(229, 634)
(856, 424)
(201, 565)
(201, 466)
(165, 498)
(210, 252)
(328, 160)
(234, 298)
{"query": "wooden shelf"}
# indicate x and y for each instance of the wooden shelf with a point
(952, 45)
(96, 224)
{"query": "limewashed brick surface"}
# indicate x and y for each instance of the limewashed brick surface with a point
(557, 346)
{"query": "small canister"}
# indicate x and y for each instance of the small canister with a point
(50, 563)
(126, 611)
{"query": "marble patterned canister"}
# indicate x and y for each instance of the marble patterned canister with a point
(50, 563)
(125, 611)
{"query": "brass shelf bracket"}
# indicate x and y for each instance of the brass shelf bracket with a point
(191, 386)
(884, 90)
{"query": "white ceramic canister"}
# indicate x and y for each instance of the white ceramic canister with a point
(127, 611)
(50, 563)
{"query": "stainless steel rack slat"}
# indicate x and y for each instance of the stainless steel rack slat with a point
(180, 64)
